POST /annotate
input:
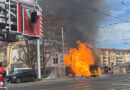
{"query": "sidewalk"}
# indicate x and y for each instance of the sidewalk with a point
(58, 79)
(64, 78)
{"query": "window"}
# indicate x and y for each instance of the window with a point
(24, 71)
(55, 60)
(117, 52)
(104, 57)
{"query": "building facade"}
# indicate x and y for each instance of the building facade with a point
(12, 56)
(111, 57)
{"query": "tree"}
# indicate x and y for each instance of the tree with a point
(51, 41)
(30, 51)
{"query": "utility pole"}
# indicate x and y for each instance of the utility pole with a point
(63, 49)
(99, 53)
(38, 58)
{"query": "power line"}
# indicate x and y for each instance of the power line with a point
(95, 10)
(111, 24)
(104, 13)
(117, 1)
(123, 3)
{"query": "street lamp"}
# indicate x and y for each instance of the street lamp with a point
(62, 29)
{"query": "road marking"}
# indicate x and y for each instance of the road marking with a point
(112, 89)
(126, 89)
(78, 85)
(121, 84)
(82, 87)
(21, 86)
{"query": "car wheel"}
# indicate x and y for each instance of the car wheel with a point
(33, 79)
(18, 80)
(9, 82)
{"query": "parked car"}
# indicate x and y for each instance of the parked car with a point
(22, 76)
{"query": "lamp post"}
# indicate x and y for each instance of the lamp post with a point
(62, 29)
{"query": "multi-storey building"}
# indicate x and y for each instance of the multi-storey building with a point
(110, 57)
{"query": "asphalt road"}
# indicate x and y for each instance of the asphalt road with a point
(112, 82)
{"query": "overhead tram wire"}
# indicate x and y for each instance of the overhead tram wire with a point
(111, 24)
(104, 13)
(117, 1)
(123, 3)
(120, 2)
(96, 10)
(106, 28)
(107, 14)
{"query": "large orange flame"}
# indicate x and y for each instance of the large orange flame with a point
(80, 59)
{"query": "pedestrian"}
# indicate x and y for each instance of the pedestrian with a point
(4, 77)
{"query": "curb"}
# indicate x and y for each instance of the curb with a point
(41, 81)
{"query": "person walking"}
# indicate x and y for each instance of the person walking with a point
(4, 77)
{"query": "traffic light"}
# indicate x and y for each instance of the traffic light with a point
(20, 17)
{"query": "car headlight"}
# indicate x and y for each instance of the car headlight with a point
(14, 77)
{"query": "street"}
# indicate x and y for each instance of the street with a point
(65, 44)
(111, 82)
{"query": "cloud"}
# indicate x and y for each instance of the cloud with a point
(118, 12)
(117, 8)
(115, 35)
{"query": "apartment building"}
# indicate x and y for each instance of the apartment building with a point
(110, 57)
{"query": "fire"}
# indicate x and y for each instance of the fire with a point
(80, 59)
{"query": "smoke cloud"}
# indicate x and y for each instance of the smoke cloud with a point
(81, 17)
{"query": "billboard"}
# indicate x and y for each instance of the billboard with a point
(29, 27)
(17, 56)
(25, 19)
(19, 21)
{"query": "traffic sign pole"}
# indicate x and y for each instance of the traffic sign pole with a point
(38, 58)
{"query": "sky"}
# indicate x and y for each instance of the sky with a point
(82, 17)
(115, 29)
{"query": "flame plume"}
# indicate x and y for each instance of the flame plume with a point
(80, 59)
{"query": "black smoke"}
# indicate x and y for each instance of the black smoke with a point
(81, 17)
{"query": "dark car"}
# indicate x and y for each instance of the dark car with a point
(22, 76)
